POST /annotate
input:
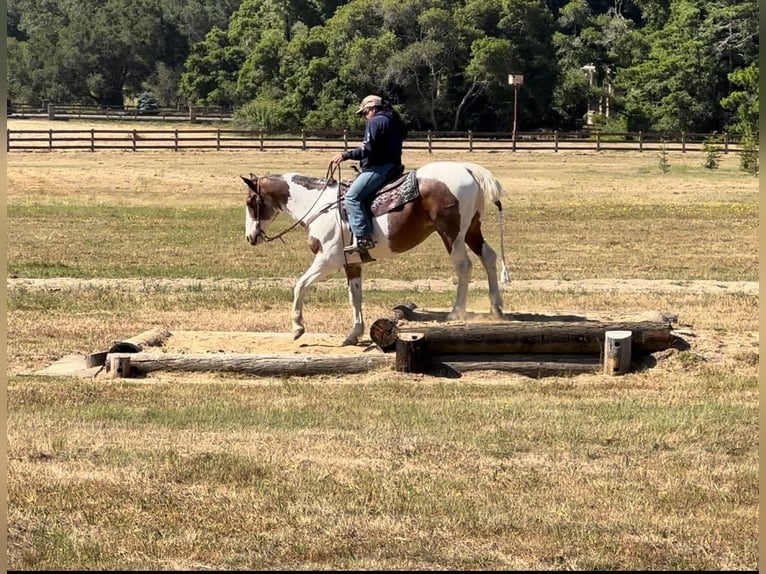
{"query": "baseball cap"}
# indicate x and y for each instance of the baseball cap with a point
(369, 102)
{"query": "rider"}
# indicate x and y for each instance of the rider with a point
(379, 154)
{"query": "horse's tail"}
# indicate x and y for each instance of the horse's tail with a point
(493, 191)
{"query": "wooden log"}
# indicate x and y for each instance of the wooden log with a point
(537, 337)
(383, 330)
(152, 338)
(409, 353)
(617, 352)
(530, 365)
(95, 359)
(119, 366)
(262, 365)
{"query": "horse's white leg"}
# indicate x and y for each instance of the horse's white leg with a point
(488, 259)
(319, 269)
(462, 263)
(354, 276)
(475, 240)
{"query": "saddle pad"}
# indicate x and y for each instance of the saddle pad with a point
(391, 197)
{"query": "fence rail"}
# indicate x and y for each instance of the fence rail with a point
(232, 139)
(134, 113)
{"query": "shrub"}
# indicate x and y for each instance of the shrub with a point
(712, 150)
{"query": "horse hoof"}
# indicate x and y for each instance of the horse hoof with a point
(349, 341)
(298, 333)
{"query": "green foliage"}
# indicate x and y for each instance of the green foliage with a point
(147, 103)
(682, 65)
(744, 102)
(268, 111)
(712, 150)
(749, 156)
(664, 162)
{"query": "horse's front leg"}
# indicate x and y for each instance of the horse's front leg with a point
(354, 277)
(319, 269)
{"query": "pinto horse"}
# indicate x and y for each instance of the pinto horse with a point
(451, 201)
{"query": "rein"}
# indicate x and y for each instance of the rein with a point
(302, 221)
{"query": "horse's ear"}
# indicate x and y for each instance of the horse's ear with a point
(250, 183)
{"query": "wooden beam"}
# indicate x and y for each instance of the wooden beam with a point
(262, 365)
(536, 337)
(617, 352)
(409, 353)
(533, 365)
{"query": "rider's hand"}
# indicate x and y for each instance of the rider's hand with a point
(337, 159)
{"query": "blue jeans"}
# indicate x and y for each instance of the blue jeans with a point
(362, 188)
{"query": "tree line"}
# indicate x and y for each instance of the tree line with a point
(623, 65)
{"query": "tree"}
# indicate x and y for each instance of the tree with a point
(211, 71)
(88, 50)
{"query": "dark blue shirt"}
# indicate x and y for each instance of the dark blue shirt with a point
(382, 142)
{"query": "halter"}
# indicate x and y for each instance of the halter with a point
(302, 221)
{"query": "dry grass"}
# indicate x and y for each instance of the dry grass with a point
(654, 470)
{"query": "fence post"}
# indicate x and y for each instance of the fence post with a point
(429, 141)
(218, 139)
(50, 139)
(683, 142)
(92, 139)
(260, 137)
(135, 135)
(556, 141)
(303, 140)
(192, 115)
(598, 141)
(725, 143)
(470, 140)
(640, 141)
(175, 139)
(345, 139)
(8, 140)
(51, 111)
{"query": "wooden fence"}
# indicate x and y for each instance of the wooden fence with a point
(231, 139)
(52, 111)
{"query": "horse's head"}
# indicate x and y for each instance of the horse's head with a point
(263, 204)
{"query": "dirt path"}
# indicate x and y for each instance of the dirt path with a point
(580, 285)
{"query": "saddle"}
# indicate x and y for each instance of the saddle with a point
(400, 188)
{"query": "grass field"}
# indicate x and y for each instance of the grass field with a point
(657, 469)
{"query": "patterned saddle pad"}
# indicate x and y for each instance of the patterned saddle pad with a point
(393, 195)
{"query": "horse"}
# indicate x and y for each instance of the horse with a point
(449, 199)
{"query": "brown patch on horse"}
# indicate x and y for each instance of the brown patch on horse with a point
(275, 190)
(474, 237)
(436, 210)
(266, 196)
(315, 245)
(353, 271)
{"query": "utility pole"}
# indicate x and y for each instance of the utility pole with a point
(515, 80)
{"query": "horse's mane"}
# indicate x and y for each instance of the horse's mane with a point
(312, 182)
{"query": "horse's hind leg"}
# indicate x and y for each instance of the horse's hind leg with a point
(463, 265)
(488, 257)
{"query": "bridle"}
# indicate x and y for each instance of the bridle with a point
(303, 221)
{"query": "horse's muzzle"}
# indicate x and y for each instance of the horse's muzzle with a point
(254, 235)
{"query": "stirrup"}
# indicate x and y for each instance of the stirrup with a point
(362, 244)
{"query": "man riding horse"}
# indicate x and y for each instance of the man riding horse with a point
(379, 155)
